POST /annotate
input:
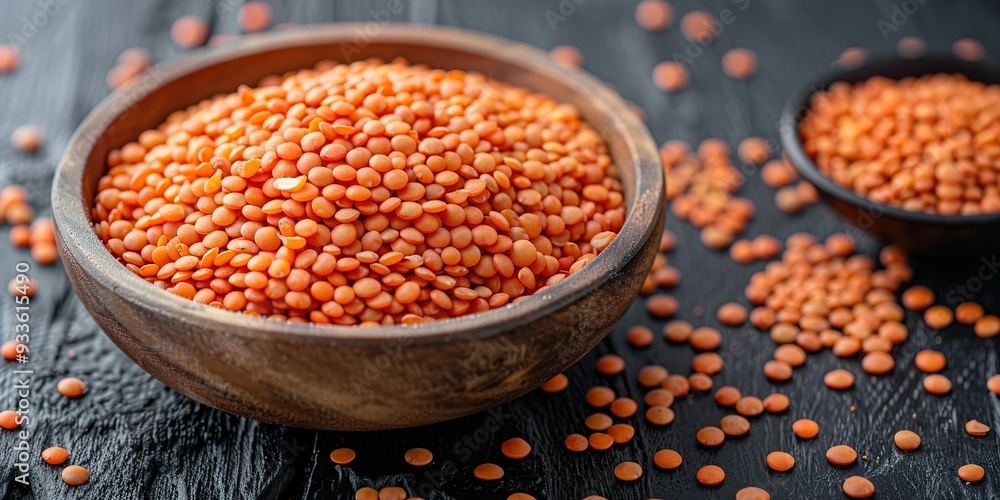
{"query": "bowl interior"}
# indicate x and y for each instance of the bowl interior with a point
(147, 102)
(892, 67)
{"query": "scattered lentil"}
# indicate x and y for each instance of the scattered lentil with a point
(488, 472)
(907, 440)
(9, 59)
(556, 384)
(937, 384)
(971, 473)
(805, 428)
(189, 31)
(969, 49)
(628, 471)
(419, 456)
(55, 455)
(841, 455)
(711, 475)
(938, 317)
(667, 459)
(26, 139)
(930, 361)
(699, 26)
(610, 364)
(640, 336)
(654, 15)
(255, 16)
(711, 436)
(752, 493)
(734, 425)
(567, 55)
(976, 428)
(780, 461)
(839, 379)
(968, 313)
(342, 456)
(732, 314)
(71, 387)
(74, 475)
(987, 327)
(516, 448)
(858, 487)
(776, 403)
(740, 64)
(576, 442)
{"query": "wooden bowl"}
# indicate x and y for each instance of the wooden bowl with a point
(936, 236)
(349, 378)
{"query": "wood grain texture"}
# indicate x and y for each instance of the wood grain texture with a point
(140, 439)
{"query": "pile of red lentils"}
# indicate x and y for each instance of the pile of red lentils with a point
(362, 194)
(925, 144)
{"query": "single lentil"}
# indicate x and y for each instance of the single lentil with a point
(907, 440)
(805, 428)
(780, 461)
(976, 428)
(858, 487)
(74, 475)
(515, 448)
(418, 456)
(628, 471)
(841, 455)
(711, 475)
(667, 459)
(971, 473)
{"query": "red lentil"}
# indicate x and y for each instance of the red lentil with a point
(968, 313)
(576, 442)
(418, 456)
(776, 403)
(878, 363)
(778, 371)
(749, 406)
(709, 363)
(620, 433)
(10, 348)
(780, 461)
(189, 32)
(911, 47)
(907, 440)
(71, 387)
(700, 382)
(484, 217)
(740, 64)
(654, 15)
(700, 26)
(937, 384)
(805, 428)
(255, 16)
(938, 317)
(705, 339)
(640, 336)
(852, 58)
(26, 139)
(488, 472)
(661, 306)
(10, 419)
(659, 397)
(752, 493)
(993, 384)
(732, 314)
(515, 448)
(858, 487)
(366, 494)
(600, 441)
(711, 475)
(342, 456)
(598, 422)
(711, 436)
(971, 473)
(628, 471)
(667, 459)
(74, 475)
(556, 384)
(987, 327)
(660, 415)
(600, 396)
(839, 379)
(841, 455)
(610, 364)
(969, 49)
(9, 59)
(677, 331)
(976, 428)
(652, 376)
(727, 395)
(734, 425)
(567, 55)
(670, 76)
(791, 354)
(55, 455)
(929, 361)
(623, 407)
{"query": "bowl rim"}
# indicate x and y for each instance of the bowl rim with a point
(84, 246)
(799, 103)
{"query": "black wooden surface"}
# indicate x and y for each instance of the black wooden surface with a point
(140, 439)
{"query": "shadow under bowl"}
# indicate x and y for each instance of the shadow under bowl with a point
(350, 378)
(930, 235)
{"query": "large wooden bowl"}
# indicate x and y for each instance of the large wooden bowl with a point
(347, 378)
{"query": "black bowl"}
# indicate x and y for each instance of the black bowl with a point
(920, 233)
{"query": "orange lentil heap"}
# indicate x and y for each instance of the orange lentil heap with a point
(926, 144)
(362, 194)
(823, 294)
(700, 190)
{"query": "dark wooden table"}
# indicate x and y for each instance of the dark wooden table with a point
(140, 439)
